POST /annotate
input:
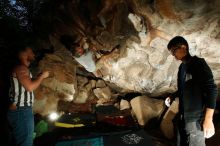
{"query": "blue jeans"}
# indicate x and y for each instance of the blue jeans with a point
(190, 134)
(21, 122)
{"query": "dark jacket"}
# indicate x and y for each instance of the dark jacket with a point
(199, 90)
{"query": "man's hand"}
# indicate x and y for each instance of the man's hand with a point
(208, 126)
(167, 101)
(45, 74)
(13, 107)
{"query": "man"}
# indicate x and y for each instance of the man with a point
(84, 54)
(20, 115)
(80, 52)
(197, 94)
(85, 57)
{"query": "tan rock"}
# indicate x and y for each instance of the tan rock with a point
(146, 108)
(124, 104)
(102, 93)
(82, 96)
(81, 81)
(100, 84)
(93, 83)
(166, 125)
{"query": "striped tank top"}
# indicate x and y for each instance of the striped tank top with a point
(21, 97)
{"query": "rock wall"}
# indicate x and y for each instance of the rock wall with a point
(130, 39)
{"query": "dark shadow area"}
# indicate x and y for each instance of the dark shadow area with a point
(7, 61)
(129, 96)
(4, 86)
(110, 134)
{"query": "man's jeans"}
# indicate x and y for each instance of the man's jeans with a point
(190, 134)
(21, 122)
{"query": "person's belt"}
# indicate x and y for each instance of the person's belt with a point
(13, 107)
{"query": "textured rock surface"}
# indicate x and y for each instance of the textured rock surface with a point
(166, 125)
(61, 84)
(150, 67)
(130, 39)
(146, 109)
(141, 30)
